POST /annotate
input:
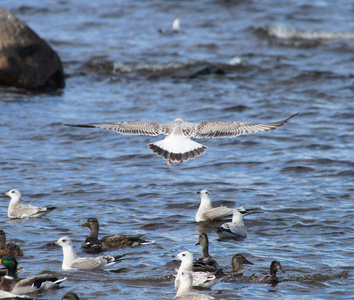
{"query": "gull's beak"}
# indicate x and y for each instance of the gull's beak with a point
(198, 192)
(197, 243)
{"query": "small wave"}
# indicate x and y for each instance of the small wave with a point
(317, 277)
(283, 32)
(189, 69)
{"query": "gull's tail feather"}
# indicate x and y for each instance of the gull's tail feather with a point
(175, 151)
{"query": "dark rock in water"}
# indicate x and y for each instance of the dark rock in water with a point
(26, 60)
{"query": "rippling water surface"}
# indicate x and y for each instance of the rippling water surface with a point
(234, 60)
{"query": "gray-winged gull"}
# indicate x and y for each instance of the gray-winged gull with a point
(200, 279)
(72, 262)
(234, 229)
(185, 289)
(177, 145)
(206, 212)
(18, 211)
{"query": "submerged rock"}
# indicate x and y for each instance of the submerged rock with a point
(26, 60)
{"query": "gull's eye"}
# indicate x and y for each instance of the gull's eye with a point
(183, 254)
(12, 192)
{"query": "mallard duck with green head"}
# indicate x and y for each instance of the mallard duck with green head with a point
(9, 283)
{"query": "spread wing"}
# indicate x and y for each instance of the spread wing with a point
(132, 127)
(217, 213)
(233, 129)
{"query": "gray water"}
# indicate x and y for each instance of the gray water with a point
(234, 61)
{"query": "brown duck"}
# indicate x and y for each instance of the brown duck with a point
(206, 262)
(94, 245)
(9, 248)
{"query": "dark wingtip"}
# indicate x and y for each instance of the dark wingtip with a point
(288, 119)
(80, 125)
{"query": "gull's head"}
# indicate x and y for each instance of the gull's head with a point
(205, 196)
(204, 193)
(178, 121)
(185, 256)
(14, 194)
(236, 216)
(186, 279)
(63, 241)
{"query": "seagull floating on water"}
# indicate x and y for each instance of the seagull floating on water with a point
(185, 289)
(235, 229)
(206, 212)
(18, 211)
(173, 30)
(72, 262)
(177, 146)
(200, 278)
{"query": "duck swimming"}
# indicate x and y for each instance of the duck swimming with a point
(237, 261)
(9, 248)
(206, 262)
(94, 245)
(272, 277)
(10, 283)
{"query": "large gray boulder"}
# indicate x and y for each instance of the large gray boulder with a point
(26, 61)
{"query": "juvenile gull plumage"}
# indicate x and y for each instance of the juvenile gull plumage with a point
(18, 211)
(72, 262)
(185, 289)
(177, 145)
(235, 229)
(200, 279)
(206, 212)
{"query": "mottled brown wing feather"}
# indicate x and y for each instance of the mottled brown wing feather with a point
(233, 129)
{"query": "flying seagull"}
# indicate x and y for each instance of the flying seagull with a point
(177, 145)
